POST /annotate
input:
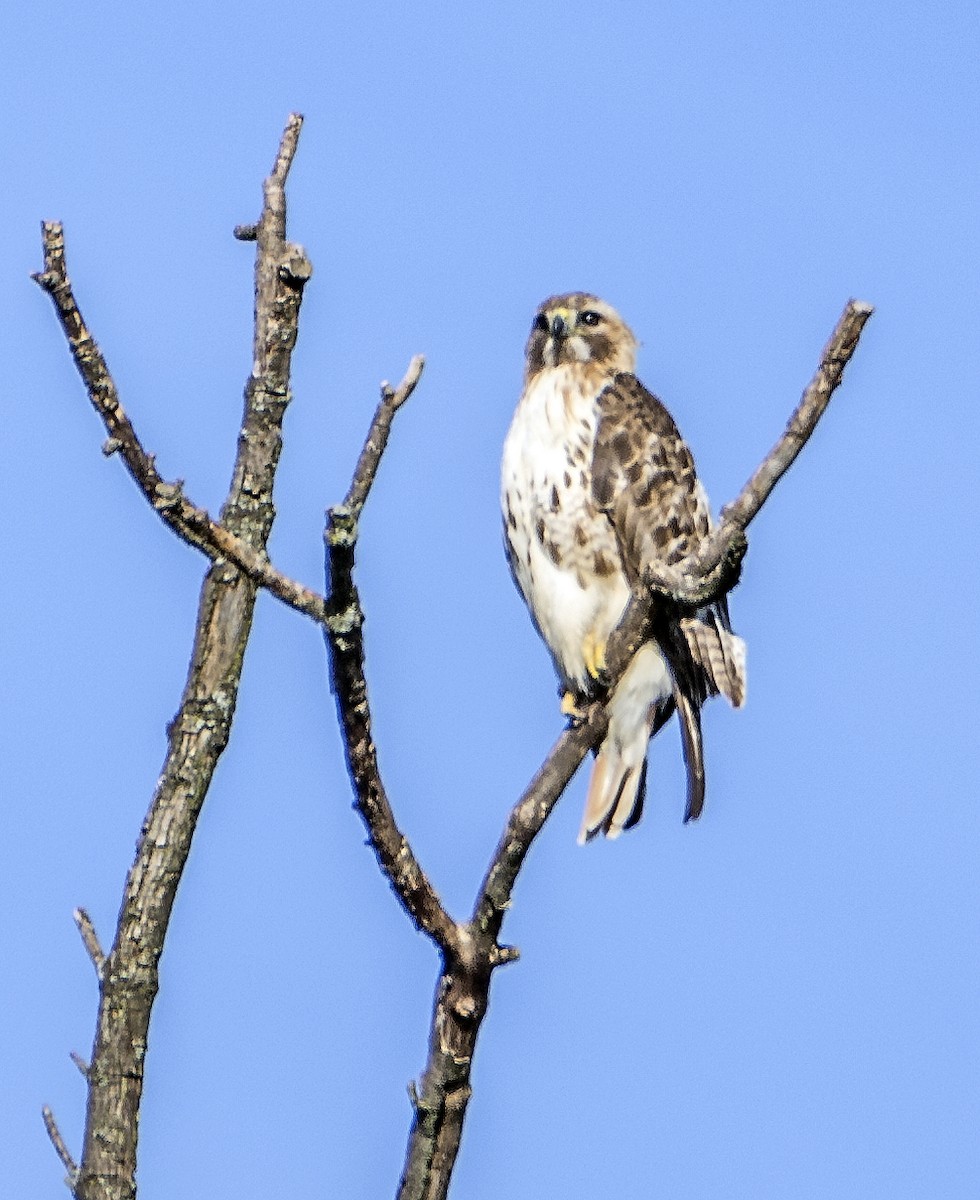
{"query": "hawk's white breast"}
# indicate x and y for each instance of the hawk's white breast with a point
(556, 538)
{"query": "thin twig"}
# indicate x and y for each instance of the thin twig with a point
(54, 1133)
(813, 404)
(377, 438)
(91, 940)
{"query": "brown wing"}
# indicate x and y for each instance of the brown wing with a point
(643, 478)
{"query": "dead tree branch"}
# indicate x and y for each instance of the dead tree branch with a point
(715, 571)
(200, 730)
(343, 631)
(190, 522)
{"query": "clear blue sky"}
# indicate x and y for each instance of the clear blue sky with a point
(782, 1000)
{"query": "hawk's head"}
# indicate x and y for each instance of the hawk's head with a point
(579, 328)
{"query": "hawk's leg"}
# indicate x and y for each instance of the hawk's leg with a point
(575, 704)
(594, 653)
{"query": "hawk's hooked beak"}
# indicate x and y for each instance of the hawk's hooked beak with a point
(559, 326)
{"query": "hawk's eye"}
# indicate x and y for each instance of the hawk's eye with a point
(589, 318)
(541, 322)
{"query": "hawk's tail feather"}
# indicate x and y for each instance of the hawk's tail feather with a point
(618, 784)
(719, 653)
(615, 797)
(689, 711)
(637, 810)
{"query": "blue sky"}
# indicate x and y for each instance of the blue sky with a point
(783, 999)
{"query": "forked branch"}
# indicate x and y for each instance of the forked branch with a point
(463, 991)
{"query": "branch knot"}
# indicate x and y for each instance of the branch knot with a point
(294, 266)
(341, 529)
(166, 495)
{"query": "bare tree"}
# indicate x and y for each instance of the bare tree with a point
(236, 542)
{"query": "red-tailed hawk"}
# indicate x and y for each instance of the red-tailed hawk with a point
(596, 485)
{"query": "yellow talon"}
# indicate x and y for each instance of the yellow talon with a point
(594, 653)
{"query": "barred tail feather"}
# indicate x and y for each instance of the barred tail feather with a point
(718, 652)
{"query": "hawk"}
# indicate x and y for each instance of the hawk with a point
(596, 486)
